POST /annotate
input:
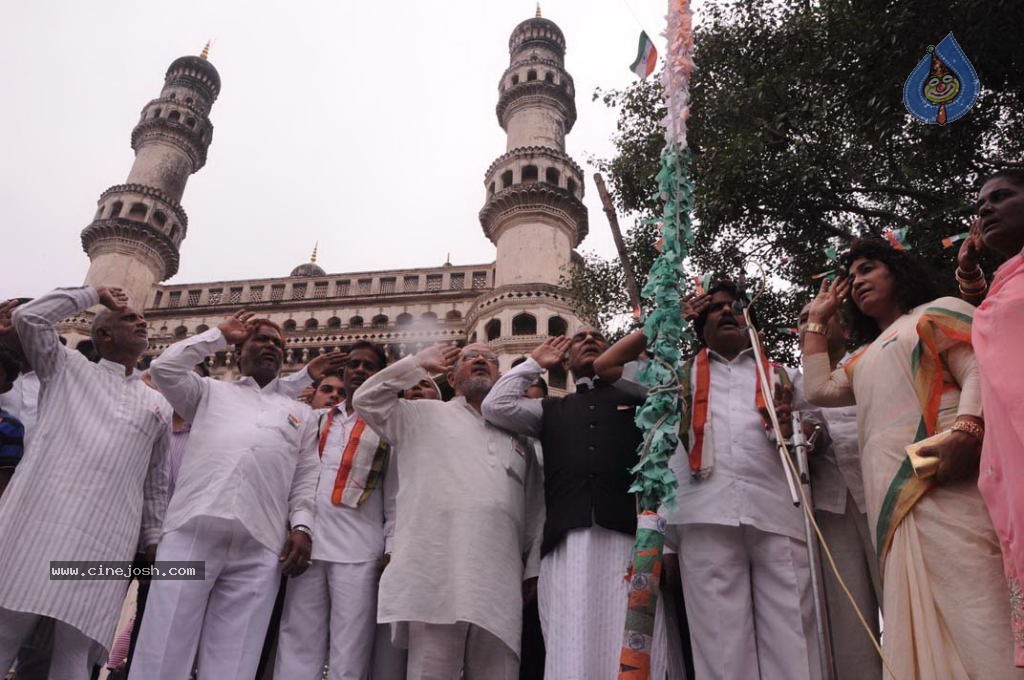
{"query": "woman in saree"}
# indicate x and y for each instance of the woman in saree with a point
(914, 375)
(996, 333)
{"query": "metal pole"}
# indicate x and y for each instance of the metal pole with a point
(613, 221)
(824, 637)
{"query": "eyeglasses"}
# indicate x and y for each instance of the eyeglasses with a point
(489, 357)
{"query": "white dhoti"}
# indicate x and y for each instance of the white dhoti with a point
(331, 606)
(582, 595)
(74, 653)
(749, 603)
(848, 539)
(225, 616)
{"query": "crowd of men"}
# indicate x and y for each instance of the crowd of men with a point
(351, 523)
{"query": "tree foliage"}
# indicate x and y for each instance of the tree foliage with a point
(801, 139)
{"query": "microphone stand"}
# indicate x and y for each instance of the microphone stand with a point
(823, 637)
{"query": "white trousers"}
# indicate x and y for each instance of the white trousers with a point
(582, 596)
(330, 602)
(749, 603)
(849, 539)
(451, 651)
(225, 616)
(73, 652)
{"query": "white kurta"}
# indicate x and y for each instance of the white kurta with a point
(95, 476)
(251, 454)
(462, 533)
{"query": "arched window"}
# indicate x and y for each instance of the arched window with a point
(551, 176)
(404, 319)
(174, 115)
(173, 96)
(189, 101)
(180, 332)
(380, 321)
(429, 317)
(557, 326)
(159, 219)
(549, 77)
(531, 75)
(289, 326)
(355, 322)
(515, 79)
(202, 328)
(517, 361)
(506, 179)
(311, 324)
(138, 210)
(524, 324)
(175, 229)
(115, 210)
(156, 113)
(570, 186)
(334, 322)
(190, 121)
(529, 173)
(490, 189)
(493, 329)
(453, 315)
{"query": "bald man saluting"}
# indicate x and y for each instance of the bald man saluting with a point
(469, 518)
(93, 483)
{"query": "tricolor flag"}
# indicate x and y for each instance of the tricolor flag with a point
(646, 57)
(950, 240)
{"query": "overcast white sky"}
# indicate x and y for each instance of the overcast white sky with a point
(366, 126)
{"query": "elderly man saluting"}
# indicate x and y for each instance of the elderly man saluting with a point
(468, 493)
(93, 485)
(250, 468)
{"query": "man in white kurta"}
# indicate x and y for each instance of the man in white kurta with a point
(453, 588)
(740, 539)
(95, 477)
(334, 603)
(250, 468)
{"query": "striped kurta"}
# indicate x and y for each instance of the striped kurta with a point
(93, 483)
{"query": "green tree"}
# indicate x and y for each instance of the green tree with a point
(801, 139)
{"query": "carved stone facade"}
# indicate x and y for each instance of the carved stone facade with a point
(533, 212)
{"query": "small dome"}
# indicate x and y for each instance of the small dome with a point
(308, 269)
(199, 64)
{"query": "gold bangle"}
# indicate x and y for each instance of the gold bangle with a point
(818, 328)
(971, 428)
(976, 275)
(972, 292)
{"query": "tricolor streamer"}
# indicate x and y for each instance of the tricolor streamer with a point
(658, 418)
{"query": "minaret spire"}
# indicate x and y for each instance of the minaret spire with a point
(538, 11)
(205, 54)
(312, 258)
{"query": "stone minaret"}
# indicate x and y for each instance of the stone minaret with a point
(534, 212)
(134, 238)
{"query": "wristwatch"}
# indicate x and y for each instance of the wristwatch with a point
(304, 529)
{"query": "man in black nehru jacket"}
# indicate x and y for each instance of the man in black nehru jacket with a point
(589, 444)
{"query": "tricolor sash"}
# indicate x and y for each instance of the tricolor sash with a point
(695, 406)
(906, 489)
(364, 463)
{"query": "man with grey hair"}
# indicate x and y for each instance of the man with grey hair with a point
(468, 519)
(94, 485)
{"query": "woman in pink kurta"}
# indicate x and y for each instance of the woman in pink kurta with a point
(997, 335)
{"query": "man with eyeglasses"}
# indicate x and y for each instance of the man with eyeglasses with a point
(333, 605)
(464, 533)
(590, 444)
